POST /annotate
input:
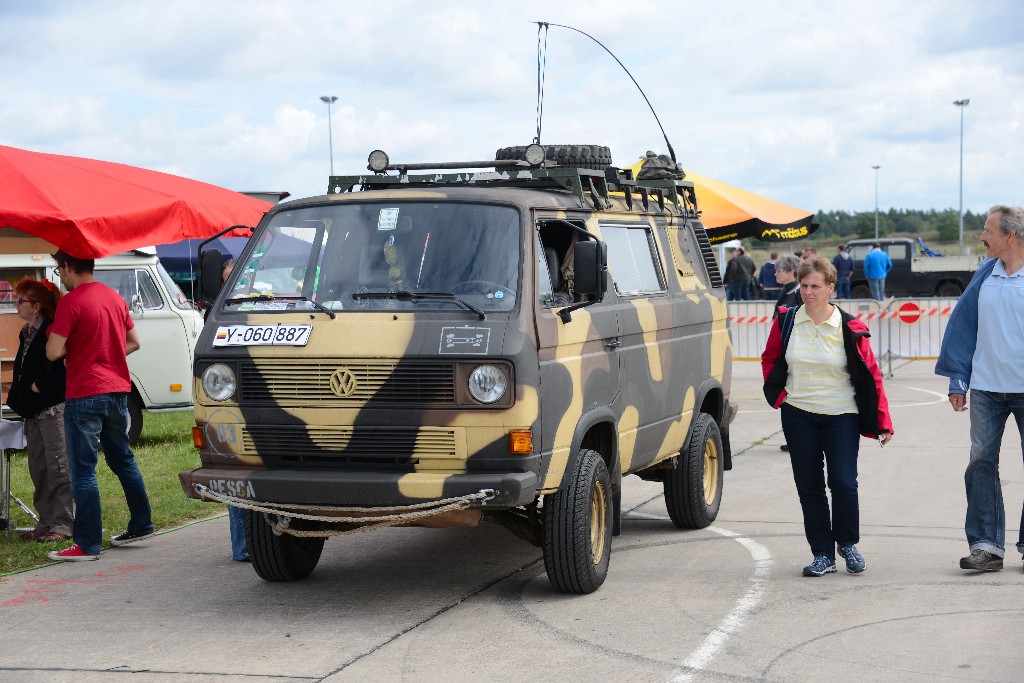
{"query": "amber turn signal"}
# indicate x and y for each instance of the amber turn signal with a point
(520, 441)
(198, 438)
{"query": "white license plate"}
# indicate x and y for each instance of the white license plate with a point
(262, 335)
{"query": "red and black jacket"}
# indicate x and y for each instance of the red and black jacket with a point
(868, 392)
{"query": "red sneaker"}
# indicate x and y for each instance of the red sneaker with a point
(71, 554)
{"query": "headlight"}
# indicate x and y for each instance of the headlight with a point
(487, 383)
(219, 382)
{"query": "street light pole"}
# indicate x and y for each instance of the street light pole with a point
(329, 99)
(876, 199)
(961, 104)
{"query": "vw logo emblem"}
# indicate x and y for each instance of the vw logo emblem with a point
(343, 383)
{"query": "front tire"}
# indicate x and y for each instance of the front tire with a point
(949, 290)
(279, 557)
(693, 488)
(578, 528)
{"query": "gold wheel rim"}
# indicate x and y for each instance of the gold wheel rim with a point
(710, 471)
(597, 523)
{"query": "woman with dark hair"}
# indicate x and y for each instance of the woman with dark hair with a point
(37, 394)
(820, 370)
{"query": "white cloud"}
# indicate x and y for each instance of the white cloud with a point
(794, 100)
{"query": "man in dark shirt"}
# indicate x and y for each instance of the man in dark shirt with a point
(844, 271)
(738, 274)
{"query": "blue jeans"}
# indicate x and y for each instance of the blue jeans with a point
(986, 521)
(236, 521)
(90, 423)
(737, 291)
(814, 441)
(877, 288)
(843, 288)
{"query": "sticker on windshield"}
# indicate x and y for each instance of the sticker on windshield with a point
(465, 340)
(388, 219)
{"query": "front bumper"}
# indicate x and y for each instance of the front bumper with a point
(369, 489)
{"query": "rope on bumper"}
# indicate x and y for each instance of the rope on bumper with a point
(279, 515)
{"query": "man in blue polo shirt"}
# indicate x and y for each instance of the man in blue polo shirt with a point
(982, 351)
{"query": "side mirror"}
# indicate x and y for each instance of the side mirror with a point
(590, 268)
(209, 275)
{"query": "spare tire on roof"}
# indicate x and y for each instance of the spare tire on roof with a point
(568, 156)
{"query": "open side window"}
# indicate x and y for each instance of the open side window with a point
(555, 262)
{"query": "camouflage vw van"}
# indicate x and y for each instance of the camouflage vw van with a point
(443, 348)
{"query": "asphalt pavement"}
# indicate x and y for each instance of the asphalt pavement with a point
(725, 603)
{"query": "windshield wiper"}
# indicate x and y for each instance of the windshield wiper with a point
(274, 297)
(406, 295)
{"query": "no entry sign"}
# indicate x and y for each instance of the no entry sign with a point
(909, 312)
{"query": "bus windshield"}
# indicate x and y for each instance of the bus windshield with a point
(356, 256)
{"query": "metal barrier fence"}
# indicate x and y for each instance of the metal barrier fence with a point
(901, 329)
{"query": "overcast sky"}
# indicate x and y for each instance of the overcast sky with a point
(794, 100)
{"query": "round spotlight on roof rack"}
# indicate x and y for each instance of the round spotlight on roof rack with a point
(534, 155)
(378, 161)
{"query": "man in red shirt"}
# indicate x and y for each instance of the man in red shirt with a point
(94, 332)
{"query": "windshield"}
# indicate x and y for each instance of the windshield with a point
(352, 256)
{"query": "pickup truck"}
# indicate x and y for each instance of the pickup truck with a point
(912, 274)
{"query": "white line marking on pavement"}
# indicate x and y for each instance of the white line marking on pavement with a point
(735, 619)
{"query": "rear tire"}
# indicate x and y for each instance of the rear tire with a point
(693, 488)
(949, 290)
(860, 292)
(279, 557)
(567, 156)
(578, 528)
(134, 419)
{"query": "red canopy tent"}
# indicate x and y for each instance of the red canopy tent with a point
(92, 208)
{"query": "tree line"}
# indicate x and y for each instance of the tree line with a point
(941, 226)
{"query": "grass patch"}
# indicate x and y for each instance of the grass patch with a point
(164, 450)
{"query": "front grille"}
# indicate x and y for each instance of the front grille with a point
(341, 445)
(307, 383)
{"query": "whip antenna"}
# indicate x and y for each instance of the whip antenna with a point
(544, 25)
(542, 62)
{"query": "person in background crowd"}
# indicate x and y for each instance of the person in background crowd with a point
(94, 332)
(766, 277)
(844, 271)
(981, 351)
(877, 265)
(789, 295)
(236, 516)
(738, 274)
(785, 275)
(819, 369)
(37, 394)
(808, 253)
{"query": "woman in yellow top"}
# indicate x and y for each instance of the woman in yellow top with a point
(820, 370)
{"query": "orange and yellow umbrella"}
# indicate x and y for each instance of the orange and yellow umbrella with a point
(729, 213)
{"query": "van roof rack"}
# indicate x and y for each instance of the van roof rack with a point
(591, 187)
